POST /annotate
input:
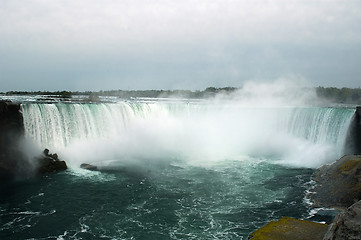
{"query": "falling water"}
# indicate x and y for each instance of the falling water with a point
(299, 136)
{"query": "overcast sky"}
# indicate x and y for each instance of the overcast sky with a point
(169, 44)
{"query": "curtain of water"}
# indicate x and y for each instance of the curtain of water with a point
(219, 131)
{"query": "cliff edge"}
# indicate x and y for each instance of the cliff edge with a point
(338, 184)
(11, 131)
(14, 162)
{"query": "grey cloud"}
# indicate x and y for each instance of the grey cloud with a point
(142, 44)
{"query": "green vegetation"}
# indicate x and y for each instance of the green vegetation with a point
(126, 94)
(60, 94)
(65, 94)
(350, 167)
(340, 95)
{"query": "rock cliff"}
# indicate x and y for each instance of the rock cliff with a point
(14, 162)
(338, 184)
(347, 225)
(353, 140)
(11, 131)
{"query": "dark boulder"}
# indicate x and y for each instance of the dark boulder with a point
(347, 225)
(89, 167)
(49, 163)
(338, 184)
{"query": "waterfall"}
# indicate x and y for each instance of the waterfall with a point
(321, 125)
(299, 136)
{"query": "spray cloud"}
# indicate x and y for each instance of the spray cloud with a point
(261, 120)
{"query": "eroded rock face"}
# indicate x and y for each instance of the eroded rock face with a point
(353, 140)
(339, 184)
(347, 225)
(12, 159)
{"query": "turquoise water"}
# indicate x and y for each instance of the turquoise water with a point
(169, 170)
(227, 200)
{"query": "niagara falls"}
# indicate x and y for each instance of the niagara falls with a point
(194, 119)
(174, 168)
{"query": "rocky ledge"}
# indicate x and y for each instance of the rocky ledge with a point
(337, 186)
(290, 228)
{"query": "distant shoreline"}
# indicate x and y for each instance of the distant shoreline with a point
(329, 94)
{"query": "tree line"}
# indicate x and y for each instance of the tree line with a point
(331, 94)
(208, 92)
(340, 95)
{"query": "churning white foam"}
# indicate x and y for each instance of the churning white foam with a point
(270, 121)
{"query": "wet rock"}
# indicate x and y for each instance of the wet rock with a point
(347, 225)
(49, 163)
(289, 228)
(89, 167)
(338, 184)
(54, 156)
